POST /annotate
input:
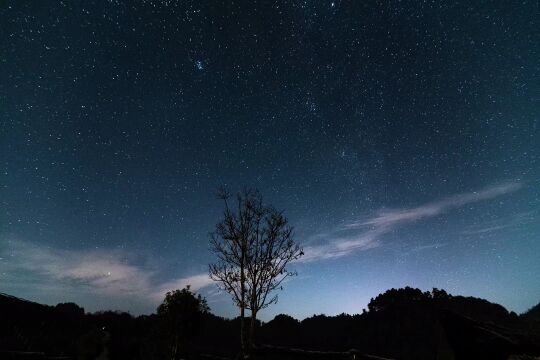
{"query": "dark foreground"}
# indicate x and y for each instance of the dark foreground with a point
(400, 324)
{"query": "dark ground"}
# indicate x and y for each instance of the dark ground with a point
(399, 324)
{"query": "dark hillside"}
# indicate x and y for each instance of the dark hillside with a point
(533, 314)
(400, 324)
(411, 324)
(28, 326)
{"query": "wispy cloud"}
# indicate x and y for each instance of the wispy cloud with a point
(369, 231)
(196, 282)
(491, 226)
(341, 246)
(111, 273)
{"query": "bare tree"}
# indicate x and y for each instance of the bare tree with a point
(271, 249)
(229, 243)
(254, 244)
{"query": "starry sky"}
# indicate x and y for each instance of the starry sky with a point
(401, 138)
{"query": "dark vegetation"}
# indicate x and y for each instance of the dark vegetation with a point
(400, 324)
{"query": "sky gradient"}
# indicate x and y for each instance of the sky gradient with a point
(401, 139)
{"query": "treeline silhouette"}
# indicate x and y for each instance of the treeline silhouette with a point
(402, 323)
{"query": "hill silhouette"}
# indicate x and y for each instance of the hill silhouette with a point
(399, 324)
(533, 314)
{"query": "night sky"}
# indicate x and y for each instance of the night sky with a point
(401, 138)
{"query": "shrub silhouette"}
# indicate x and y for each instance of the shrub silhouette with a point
(181, 315)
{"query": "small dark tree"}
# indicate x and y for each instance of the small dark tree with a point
(254, 244)
(439, 294)
(181, 313)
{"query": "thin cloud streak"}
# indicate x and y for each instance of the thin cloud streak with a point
(387, 220)
(495, 225)
(437, 207)
(339, 247)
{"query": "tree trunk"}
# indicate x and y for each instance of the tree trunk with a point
(243, 302)
(175, 347)
(242, 332)
(252, 329)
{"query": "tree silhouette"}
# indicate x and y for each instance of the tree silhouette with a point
(254, 244)
(229, 242)
(271, 250)
(399, 297)
(181, 313)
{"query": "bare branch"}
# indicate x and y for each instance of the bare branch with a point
(253, 243)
